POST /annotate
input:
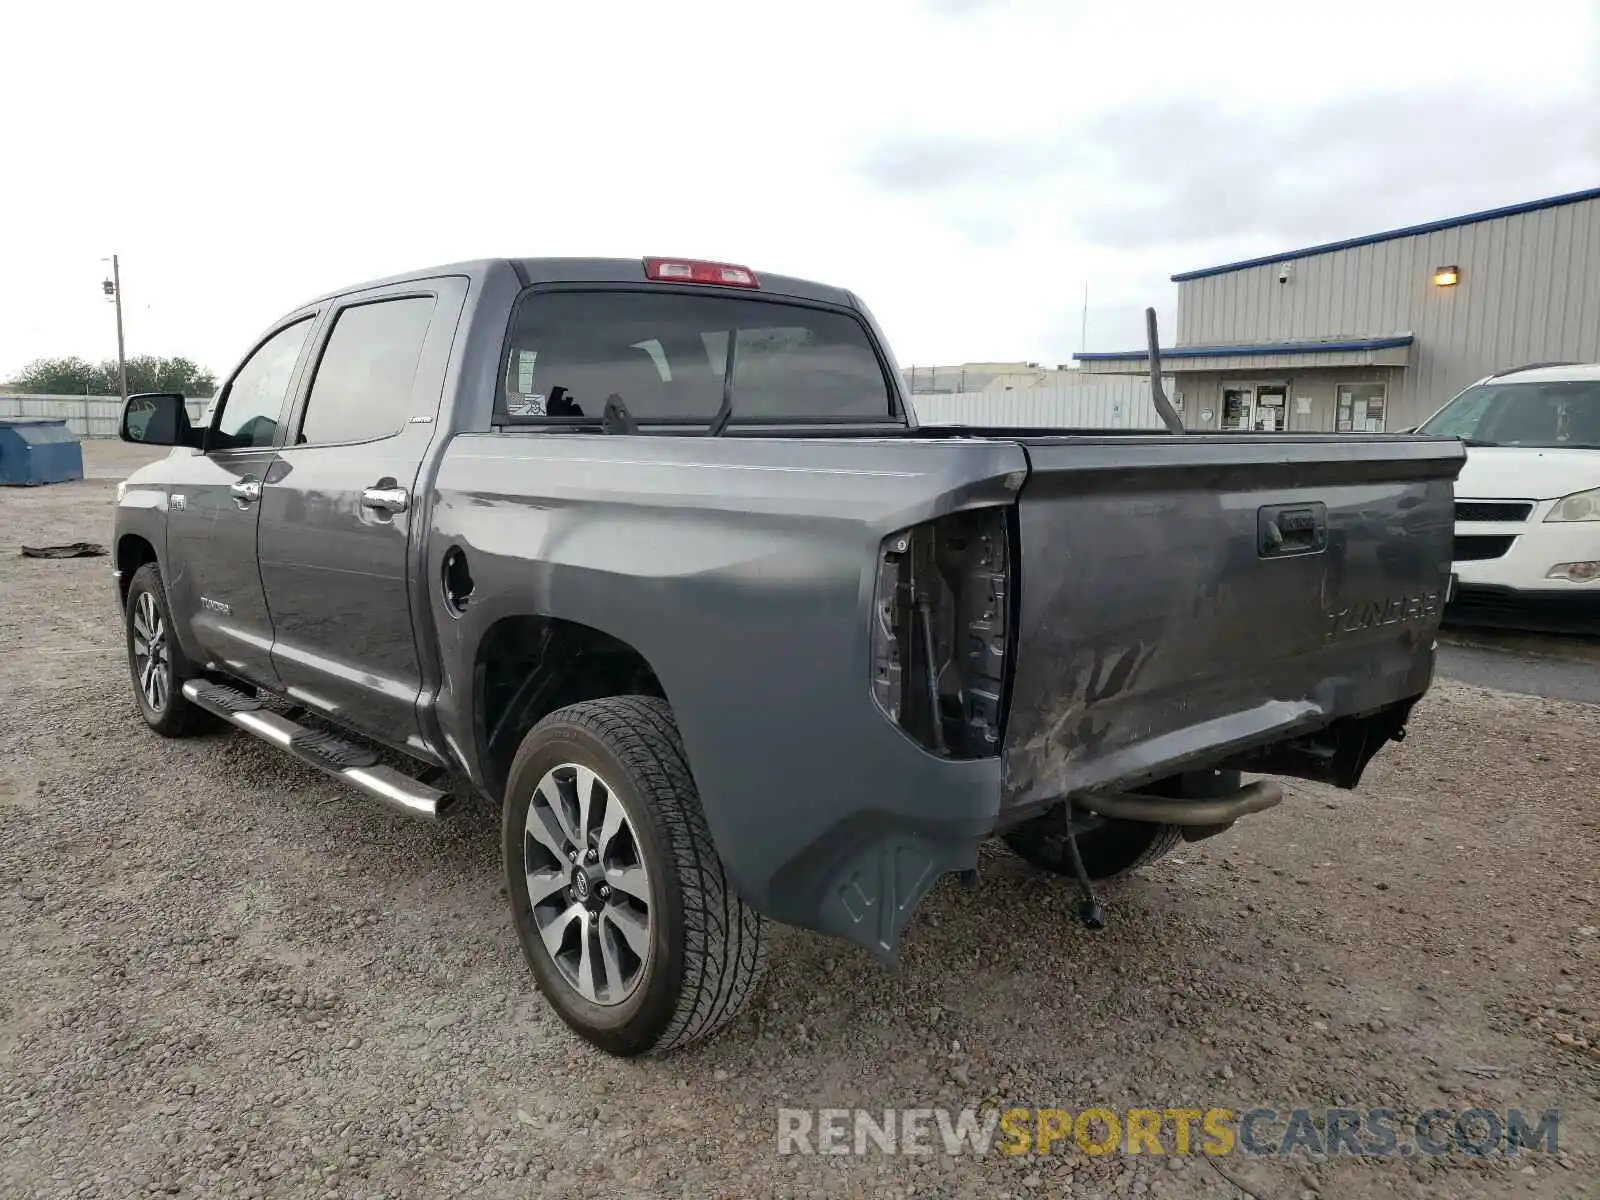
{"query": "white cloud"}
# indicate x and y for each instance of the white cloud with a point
(242, 160)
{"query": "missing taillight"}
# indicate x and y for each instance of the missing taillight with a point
(941, 631)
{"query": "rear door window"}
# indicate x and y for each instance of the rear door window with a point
(363, 385)
(665, 355)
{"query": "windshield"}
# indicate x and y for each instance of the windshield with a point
(663, 353)
(1563, 415)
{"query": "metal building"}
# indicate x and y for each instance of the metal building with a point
(1097, 402)
(1374, 333)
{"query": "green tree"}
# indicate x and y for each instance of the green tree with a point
(146, 373)
(60, 377)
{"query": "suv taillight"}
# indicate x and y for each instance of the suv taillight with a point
(941, 631)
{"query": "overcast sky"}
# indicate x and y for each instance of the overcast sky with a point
(967, 166)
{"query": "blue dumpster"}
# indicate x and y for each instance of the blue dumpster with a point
(36, 450)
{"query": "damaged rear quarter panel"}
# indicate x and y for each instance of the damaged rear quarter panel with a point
(742, 570)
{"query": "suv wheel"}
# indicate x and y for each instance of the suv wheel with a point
(157, 662)
(625, 915)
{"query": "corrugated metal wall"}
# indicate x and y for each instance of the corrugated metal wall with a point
(1115, 403)
(86, 416)
(1529, 292)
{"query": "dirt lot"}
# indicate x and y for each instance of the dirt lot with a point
(222, 975)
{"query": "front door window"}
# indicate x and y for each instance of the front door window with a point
(248, 412)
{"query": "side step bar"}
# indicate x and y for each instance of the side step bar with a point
(1130, 806)
(348, 761)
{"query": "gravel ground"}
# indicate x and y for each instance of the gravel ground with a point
(225, 976)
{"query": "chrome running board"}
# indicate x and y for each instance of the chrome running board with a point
(344, 760)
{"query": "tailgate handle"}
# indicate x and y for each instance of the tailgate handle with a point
(1289, 529)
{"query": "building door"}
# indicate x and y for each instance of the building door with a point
(1238, 409)
(1272, 409)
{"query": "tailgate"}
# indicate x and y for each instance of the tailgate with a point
(1187, 600)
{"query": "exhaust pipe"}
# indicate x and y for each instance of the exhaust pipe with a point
(1158, 394)
(1161, 810)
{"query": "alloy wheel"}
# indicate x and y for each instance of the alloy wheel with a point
(588, 886)
(152, 665)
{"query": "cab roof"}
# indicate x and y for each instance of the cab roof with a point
(600, 270)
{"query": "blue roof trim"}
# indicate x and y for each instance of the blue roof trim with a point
(1254, 348)
(1490, 214)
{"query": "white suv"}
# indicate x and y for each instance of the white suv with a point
(1527, 545)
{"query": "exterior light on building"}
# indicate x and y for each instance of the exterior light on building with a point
(1446, 276)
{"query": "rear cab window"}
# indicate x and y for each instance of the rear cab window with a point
(665, 354)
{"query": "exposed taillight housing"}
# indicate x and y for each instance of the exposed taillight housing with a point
(942, 631)
(689, 270)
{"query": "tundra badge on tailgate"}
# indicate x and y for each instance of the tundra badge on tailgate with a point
(1395, 610)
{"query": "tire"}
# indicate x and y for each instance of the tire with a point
(1110, 850)
(642, 946)
(159, 694)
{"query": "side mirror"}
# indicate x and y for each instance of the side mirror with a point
(1413, 429)
(158, 419)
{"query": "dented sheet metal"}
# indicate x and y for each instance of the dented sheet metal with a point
(1182, 601)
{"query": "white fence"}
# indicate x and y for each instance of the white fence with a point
(86, 416)
(1116, 403)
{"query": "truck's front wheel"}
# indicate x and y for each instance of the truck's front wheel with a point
(156, 660)
(625, 915)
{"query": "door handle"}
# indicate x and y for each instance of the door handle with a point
(246, 492)
(389, 500)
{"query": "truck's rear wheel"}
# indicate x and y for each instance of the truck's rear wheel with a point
(625, 915)
(1110, 850)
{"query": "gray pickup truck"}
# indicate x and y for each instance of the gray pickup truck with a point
(654, 556)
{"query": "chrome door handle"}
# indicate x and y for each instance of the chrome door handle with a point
(247, 492)
(389, 500)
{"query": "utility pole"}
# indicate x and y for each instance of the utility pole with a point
(113, 289)
(1083, 330)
